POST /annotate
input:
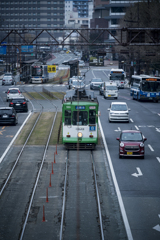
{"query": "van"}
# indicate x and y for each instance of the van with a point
(110, 90)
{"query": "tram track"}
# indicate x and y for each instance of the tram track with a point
(9, 182)
(78, 226)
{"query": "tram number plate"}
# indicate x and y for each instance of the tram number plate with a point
(92, 128)
(129, 153)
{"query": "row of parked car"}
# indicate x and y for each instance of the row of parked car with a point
(17, 103)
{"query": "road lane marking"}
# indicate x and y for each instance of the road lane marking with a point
(136, 127)
(131, 120)
(150, 148)
(121, 204)
(7, 149)
(137, 174)
(158, 158)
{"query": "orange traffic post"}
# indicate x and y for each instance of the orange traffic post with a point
(43, 215)
(54, 158)
(52, 168)
(50, 181)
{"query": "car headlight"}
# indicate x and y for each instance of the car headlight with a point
(79, 134)
(141, 144)
(121, 144)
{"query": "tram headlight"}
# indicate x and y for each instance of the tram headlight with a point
(79, 135)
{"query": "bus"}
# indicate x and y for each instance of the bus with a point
(145, 87)
(39, 73)
(117, 76)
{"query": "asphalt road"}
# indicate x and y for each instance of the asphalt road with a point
(140, 194)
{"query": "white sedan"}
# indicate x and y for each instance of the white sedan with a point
(13, 93)
(118, 111)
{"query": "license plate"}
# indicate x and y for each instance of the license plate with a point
(5, 116)
(109, 95)
(17, 104)
(129, 153)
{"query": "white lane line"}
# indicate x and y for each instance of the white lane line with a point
(123, 211)
(158, 158)
(131, 120)
(150, 148)
(7, 149)
(136, 127)
(93, 74)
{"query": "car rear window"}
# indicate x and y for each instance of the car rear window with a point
(97, 80)
(18, 100)
(13, 91)
(5, 111)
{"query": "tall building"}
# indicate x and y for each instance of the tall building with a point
(111, 11)
(43, 14)
(78, 13)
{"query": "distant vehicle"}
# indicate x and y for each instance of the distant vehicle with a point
(20, 104)
(39, 73)
(8, 79)
(110, 90)
(8, 115)
(131, 144)
(76, 84)
(144, 87)
(96, 83)
(12, 93)
(118, 111)
(81, 63)
(117, 76)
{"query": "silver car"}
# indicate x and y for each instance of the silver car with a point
(96, 83)
(8, 79)
(118, 111)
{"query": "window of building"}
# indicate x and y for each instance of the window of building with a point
(48, 19)
(118, 9)
(48, 25)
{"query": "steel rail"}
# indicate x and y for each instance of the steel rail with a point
(37, 179)
(64, 198)
(19, 155)
(98, 199)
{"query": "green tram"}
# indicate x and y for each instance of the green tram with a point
(80, 119)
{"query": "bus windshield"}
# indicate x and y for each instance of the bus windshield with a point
(117, 76)
(36, 71)
(151, 86)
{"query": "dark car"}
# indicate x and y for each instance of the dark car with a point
(8, 115)
(19, 104)
(96, 83)
(131, 144)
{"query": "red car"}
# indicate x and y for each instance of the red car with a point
(131, 144)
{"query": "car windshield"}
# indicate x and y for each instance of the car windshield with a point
(78, 83)
(111, 88)
(131, 136)
(13, 91)
(8, 75)
(5, 111)
(119, 107)
(97, 80)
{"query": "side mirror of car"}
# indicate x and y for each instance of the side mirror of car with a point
(129, 109)
(108, 109)
(144, 139)
(118, 138)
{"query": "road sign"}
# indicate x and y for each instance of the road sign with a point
(27, 48)
(3, 49)
(51, 68)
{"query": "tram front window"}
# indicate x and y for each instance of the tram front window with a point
(67, 119)
(92, 117)
(36, 71)
(80, 118)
